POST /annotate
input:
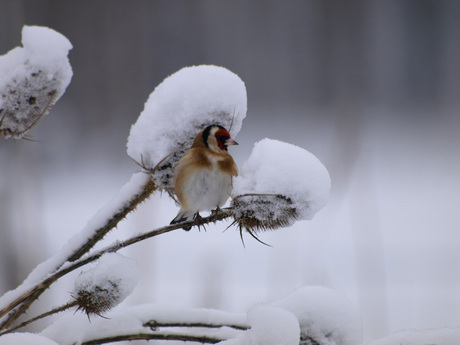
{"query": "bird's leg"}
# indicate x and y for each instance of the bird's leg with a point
(198, 221)
(215, 212)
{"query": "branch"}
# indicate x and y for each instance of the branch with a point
(154, 325)
(124, 207)
(42, 316)
(147, 189)
(31, 295)
(157, 336)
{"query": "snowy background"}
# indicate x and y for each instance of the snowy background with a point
(371, 88)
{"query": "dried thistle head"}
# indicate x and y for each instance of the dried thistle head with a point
(262, 212)
(34, 77)
(104, 286)
(25, 101)
(279, 184)
(97, 299)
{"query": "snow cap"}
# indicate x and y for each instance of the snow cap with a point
(324, 316)
(32, 79)
(107, 284)
(25, 338)
(178, 109)
(279, 184)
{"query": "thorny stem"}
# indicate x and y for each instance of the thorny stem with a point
(156, 336)
(27, 299)
(30, 296)
(146, 191)
(154, 325)
(41, 316)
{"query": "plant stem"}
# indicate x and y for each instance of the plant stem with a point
(41, 316)
(153, 325)
(156, 336)
(25, 300)
(147, 189)
(32, 295)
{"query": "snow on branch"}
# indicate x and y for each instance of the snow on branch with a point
(311, 315)
(32, 79)
(16, 302)
(149, 321)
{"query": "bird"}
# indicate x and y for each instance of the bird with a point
(203, 176)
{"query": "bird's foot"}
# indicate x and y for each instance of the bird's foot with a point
(216, 211)
(198, 221)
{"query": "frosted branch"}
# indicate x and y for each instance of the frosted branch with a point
(157, 336)
(27, 298)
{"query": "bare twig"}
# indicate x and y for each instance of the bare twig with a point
(154, 325)
(155, 336)
(41, 316)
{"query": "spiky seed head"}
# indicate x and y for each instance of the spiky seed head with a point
(97, 299)
(107, 284)
(24, 101)
(261, 212)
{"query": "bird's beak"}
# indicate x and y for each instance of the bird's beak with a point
(231, 142)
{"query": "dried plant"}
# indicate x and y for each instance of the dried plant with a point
(261, 212)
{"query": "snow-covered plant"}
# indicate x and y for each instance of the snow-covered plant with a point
(105, 286)
(180, 107)
(278, 185)
(311, 315)
(325, 317)
(32, 79)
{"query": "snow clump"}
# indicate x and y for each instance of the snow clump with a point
(107, 284)
(32, 79)
(279, 184)
(269, 326)
(324, 316)
(178, 109)
(25, 339)
(441, 336)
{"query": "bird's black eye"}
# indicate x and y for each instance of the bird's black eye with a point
(223, 139)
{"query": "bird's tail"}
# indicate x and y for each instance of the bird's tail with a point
(183, 216)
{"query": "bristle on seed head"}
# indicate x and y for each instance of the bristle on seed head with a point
(262, 212)
(97, 299)
(105, 285)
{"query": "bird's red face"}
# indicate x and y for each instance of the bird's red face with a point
(217, 138)
(223, 139)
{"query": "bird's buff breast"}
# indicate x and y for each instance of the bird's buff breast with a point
(208, 189)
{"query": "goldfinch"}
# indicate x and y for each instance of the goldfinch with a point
(203, 176)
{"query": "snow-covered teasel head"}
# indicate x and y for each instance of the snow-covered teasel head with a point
(324, 315)
(106, 285)
(179, 108)
(279, 184)
(32, 79)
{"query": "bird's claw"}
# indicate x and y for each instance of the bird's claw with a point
(216, 212)
(198, 221)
